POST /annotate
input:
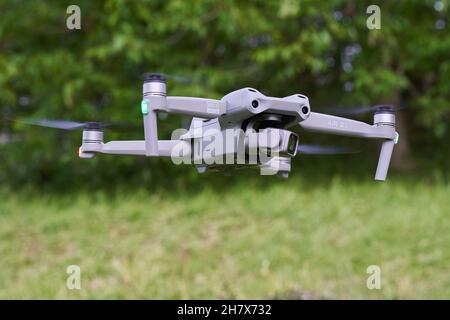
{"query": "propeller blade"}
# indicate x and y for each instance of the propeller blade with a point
(174, 77)
(356, 111)
(57, 124)
(179, 78)
(311, 149)
(73, 125)
(124, 125)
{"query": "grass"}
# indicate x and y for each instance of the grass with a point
(266, 240)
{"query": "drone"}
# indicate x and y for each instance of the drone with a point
(243, 129)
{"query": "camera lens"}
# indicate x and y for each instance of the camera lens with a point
(292, 144)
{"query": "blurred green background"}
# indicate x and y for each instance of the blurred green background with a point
(145, 228)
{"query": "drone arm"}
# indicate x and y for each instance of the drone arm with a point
(385, 158)
(195, 107)
(190, 106)
(137, 147)
(151, 146)
(124, 147)
(134, 147)
(318, 122)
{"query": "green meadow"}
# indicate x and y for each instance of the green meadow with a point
(256, 239)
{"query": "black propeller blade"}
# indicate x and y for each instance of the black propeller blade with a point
(311, 149)
(56, 124)
(73, 125)
(173, 77)
(356, 111)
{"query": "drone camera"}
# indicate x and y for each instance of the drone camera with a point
(292, 144)
(275, 141)
(288, 143)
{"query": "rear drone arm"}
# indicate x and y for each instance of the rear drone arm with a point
(383, 128)
(318, 122)
(132, 147)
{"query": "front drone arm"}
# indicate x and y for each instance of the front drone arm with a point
(383, 128)
(189, 106)
(319, 122)
(155, 99)
(195, 107)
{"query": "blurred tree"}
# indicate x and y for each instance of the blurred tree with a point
(321, 48)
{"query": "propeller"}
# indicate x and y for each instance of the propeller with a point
(312, 149)
(173, 77)
(356, 111)
(73, 125)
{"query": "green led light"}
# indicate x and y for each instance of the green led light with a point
(144, 107)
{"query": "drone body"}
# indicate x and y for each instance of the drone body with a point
(244, 128)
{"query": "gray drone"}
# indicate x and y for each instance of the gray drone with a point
(243, 129)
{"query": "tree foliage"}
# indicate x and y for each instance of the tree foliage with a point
(320, 48)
